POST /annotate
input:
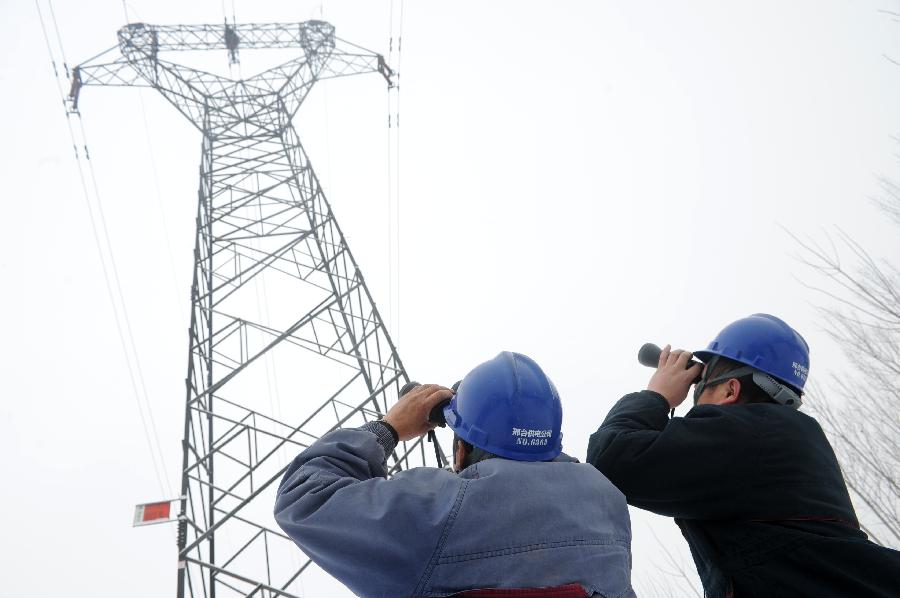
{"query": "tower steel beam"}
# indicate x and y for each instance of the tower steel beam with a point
(263, 229)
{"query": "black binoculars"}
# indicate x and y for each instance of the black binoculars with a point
(436, 415)
(649, 356)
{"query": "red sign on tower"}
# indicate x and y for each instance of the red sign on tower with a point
(154, 512)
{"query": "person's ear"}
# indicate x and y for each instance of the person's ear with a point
(732, 392)
(459, 456)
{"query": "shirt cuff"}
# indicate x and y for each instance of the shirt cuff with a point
(384, 433)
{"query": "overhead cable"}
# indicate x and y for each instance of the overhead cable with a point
(150, 433)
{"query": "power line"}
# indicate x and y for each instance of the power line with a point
(58, 38)
(398, 163)
(155, 450)
(118, 287)
(390, 179)
(155, 175)
(159, 204)
(393, 166)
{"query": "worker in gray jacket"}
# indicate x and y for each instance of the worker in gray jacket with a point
(516, 514)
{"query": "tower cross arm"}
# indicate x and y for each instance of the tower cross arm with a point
(103, 69)
(248, 35)
(342, 64)
(311, 36)
(139, 64)
(186, 88)
(293, 80)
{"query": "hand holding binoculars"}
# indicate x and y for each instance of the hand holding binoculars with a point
(436, 415)
(649, 353)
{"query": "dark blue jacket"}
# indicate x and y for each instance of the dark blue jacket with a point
(430, 532)
(757, 492)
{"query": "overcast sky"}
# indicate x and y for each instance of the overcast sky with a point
(576, 178)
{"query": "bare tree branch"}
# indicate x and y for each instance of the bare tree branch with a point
(857, 408)
(676, 579)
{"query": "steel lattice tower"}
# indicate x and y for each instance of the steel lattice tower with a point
(264, 228)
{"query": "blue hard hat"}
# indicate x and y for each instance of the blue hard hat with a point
(765, 343)
(509, 407)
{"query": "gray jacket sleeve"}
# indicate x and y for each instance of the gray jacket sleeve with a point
(376, 536)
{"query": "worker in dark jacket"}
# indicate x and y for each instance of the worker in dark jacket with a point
(517, 514)
(751, 481)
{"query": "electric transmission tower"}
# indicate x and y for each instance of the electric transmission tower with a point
(285, 341)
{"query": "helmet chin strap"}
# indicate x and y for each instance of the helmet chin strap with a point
(780, 393)
(704, 381)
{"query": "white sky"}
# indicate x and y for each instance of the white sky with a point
(576, 178)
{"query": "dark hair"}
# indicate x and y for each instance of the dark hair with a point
(750, 392)
(473, 453)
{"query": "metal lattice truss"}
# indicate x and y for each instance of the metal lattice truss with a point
(285, 341)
